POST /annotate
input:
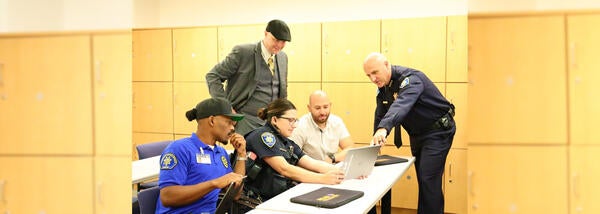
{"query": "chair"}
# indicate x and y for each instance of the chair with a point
(147, 200)
(148, 150)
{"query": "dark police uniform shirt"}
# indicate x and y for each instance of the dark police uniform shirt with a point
(410, 100)
(265, 141)
(189, 161)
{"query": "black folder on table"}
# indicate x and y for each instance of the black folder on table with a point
(327, 197)
(387, 159)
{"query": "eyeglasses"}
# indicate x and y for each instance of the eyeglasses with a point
(291, 120)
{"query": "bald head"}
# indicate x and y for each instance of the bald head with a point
(378, 69)
(319, 106)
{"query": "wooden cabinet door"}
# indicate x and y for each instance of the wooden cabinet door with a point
(405, 193)
(455, 181)
(152, 55)
(194, 53)
(517, 74)
(419, 43)
(584, 179)
(113, 184)
(345, 46)
(153, 107)
(48, 87)
(355, 104)
(584, 109)
(298, 94)
(46, 184)
(186, 96)
(304, 53)
(9, 99)
(112, 93)
(517, 179)
(230, 36)
(456, 49)
(456, 93)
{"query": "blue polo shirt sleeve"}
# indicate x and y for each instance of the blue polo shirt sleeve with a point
(411, 88)
(174, 163)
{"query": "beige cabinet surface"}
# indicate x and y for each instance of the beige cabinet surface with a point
(47, 94)
(456, 49)
(342, 55)
(518, 99)
(355, 104)
(304, 53)
(584, 109)
(419, 43)
(584, 176)
(230, 36)
(456, 93)
(299, 92)
(185, 97)
(46, 184)
(517, 179)
(153, 107)
(455, 181)
(194, 53)
(112, 93)
(152, 55)
(113, 184)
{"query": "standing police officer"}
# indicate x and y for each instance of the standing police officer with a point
(407, 98)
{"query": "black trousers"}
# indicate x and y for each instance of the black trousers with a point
(430, 151)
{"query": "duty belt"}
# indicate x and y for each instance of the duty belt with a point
(444, 121)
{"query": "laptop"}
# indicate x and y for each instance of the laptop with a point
(327, 197)
(359, 161)
(228, 198)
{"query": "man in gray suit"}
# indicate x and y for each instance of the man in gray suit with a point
(256, 74)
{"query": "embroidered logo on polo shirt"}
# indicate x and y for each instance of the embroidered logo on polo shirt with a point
(168, 161)
(268, 139)
(224, 160)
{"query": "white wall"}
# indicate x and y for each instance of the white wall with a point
(199, 13)
(494, 6)
(64, 15)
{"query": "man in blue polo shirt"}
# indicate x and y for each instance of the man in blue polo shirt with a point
(194, 169)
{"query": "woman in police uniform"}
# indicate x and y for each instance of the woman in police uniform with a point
(278, 163)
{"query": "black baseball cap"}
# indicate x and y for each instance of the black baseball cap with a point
(279, 29)
(215, 106)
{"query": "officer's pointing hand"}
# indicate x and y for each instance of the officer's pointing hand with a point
(379, 137)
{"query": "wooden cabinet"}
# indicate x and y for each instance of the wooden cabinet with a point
(153, 107)
(112, 93)
(194, 53)
(46, 87)
(343, 56)
(455, 181)
(185, 97)
(456, 49)
(457, 94)
(355, 104)
(519, 92)
(405, 193)
(419, 43)
(35, 184)
(152, 55)
(584, 178)
(584, 107)
(230, 36)
(113, 184)
(299, 93)
(517, 179)
(304, 53)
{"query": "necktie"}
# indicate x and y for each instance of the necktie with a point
(271, 65)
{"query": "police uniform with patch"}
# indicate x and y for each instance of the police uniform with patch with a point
(267, 142)
(189, 161)
(412, 101)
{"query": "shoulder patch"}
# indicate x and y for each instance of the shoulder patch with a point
(405, 82)
(168, 161)
(268, 139)
(224, 161)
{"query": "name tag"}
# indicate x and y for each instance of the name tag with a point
(203, 158)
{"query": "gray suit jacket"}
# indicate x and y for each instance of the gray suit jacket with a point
(239, 68)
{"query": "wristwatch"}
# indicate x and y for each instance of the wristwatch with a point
(332, 157)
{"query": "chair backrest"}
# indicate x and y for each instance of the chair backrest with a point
(148, 150)
(147, 200)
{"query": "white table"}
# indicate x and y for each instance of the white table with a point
(145, 169)
(375, 186)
